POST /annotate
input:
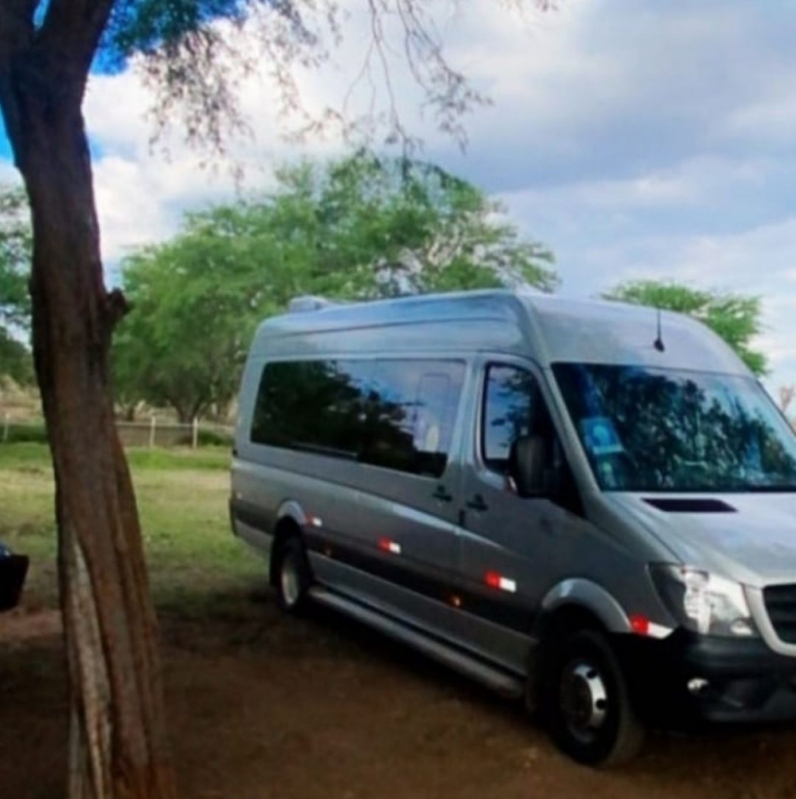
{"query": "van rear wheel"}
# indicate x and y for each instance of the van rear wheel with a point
(587, 702)
(293, 576)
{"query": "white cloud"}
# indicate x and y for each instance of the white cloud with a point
(115, 109)
(129, 214)
(640, 139)
(760, 261)
(8, 174)
(772, 119)
(692, 183)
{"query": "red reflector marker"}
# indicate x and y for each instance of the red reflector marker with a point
(495, 580)
(387, 545)
(492, 579)
(640, 624)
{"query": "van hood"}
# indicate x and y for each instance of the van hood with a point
(749, 538)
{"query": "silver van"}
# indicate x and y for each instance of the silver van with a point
(585, 504)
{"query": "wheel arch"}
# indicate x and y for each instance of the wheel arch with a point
(572, 604)
(290, 521)
(582, 599)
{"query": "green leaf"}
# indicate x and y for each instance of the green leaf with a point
(358, 228)
(735, 317)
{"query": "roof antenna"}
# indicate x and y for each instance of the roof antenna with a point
(658, 343)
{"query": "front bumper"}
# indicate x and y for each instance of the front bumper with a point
(732, 680)
(13, 570)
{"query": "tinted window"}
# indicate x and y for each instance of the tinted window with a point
(646, 429)
(509, 405)
(413, 411)
(395, 414)
(311, 405)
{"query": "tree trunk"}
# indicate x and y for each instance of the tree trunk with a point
(187, 411)
(184, 415)
(129, 411)
(118, 745)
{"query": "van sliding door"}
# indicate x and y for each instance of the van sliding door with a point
(403, 525)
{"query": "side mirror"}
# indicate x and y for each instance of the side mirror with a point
(527, 465)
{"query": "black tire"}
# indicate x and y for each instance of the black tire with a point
(293, 576)
(587, 704)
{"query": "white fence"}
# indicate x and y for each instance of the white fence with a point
(153, 432)
(160, 433)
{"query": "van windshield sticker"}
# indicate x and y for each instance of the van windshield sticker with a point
(600, 436)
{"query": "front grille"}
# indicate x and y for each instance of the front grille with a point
(781, 607)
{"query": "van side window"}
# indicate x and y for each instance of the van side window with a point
(412, 411)
(311, 405)
(397, 414)
(511, 399)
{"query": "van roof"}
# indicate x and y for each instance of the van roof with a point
(547, 328)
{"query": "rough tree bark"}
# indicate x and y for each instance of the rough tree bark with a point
(118, 744)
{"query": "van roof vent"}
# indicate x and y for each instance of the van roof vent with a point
(690, 505)
(309, 303)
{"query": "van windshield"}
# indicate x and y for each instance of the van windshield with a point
(646, 429)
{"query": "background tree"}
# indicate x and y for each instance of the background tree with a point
(197, 300)
(356, 228)
(193, 56)
(376, 227)
(15, 253)
(15, 360)
(735, 317)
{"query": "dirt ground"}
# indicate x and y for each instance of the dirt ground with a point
(261, 705)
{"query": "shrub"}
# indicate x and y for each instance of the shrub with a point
(206, 438)
(34, 433)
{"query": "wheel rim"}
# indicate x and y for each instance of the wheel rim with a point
(583, 700)
(290, 580)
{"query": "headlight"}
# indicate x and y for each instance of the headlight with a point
(703, 602)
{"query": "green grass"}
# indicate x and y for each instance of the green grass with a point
(21, 455)
(182, 499)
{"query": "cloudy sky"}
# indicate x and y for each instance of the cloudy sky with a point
(637, 138)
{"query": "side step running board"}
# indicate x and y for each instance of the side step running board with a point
(494, 678)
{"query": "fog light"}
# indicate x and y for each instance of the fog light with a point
(742, 628)
(698, 685)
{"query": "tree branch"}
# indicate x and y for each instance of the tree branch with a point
(16, 26)
(16, 36)
(72, 29)
(116, 307)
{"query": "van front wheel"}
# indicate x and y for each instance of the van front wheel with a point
(293, 576)
(588, 707)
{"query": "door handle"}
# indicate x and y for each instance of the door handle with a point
(477, 503)
(441, 493)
